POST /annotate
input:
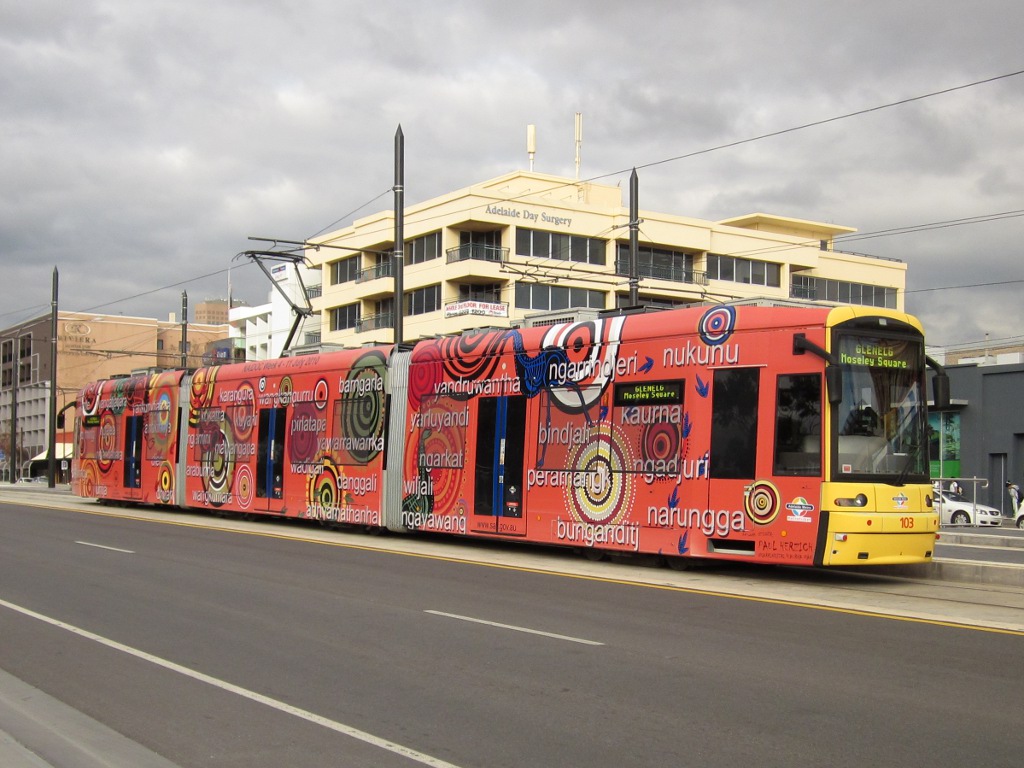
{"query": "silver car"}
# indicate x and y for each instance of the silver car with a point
(955, 509)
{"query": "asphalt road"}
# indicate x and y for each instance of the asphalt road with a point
(204, 646)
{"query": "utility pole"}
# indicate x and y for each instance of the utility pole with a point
(399, 256)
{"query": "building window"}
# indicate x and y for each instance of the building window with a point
(842, 291)
(159, 345)
(344, 317)
(423, 300)
(344, 270)
(25, 344)
(423, 248)
(547, 297)
(739, 270)
(8, 351)
(557, 245)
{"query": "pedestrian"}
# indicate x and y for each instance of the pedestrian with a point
(1014, 490)
(954, 487)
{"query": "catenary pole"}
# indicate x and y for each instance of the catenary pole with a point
(51, 449)
(634, 229)
(399, 257)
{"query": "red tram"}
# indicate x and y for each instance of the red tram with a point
(765, 434)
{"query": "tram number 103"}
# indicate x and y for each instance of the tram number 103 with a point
(906, 522)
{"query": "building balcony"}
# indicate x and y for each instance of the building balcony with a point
(374, 322)
(383, 269)
(478, 252)
(671, 274)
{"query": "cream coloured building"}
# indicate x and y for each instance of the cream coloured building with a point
(525, 243)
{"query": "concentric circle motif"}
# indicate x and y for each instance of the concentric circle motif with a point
(220, 461)
(323, 490)
(90, 398)
(608, 492)
(107, 442)
(161, 431)
(362, 407)
(660, 442)
(165, 483)
(762, 502)
(321, 392)
(243, 412)
(717, 324)
(284, 392)
(591, 352)
(426, 371)
(304, 432)
(200, 394)
(244, 486)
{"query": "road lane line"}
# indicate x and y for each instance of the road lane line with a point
(515, 628)
(259, 698)
(103, 546)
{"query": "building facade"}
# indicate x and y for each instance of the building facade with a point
(89, 347)
(525, 243)
(981, 434)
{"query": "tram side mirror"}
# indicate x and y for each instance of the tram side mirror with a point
(834, 384)
(940, 391)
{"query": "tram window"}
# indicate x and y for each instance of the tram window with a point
(734, 423)
(798, 425)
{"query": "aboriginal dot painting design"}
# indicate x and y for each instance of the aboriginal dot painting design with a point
(607, 493)
(362, 407)
(717, 324)
(200, 394)
(762, 502)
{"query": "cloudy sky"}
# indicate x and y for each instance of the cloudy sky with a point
(142, 142)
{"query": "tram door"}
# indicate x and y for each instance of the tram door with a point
(500, 445)
(270, 456)
(133, 457)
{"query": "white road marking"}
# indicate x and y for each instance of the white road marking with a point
(515, 628)
(288, 709)
(102, 546)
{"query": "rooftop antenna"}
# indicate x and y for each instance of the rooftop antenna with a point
(579, 141)
(531, 143)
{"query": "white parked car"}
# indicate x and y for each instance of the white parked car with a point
(955, 509)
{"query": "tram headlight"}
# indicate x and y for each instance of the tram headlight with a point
(860, 500)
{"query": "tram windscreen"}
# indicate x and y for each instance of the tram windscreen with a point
(880, 429)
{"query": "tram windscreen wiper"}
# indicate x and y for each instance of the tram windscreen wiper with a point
(911, 456)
